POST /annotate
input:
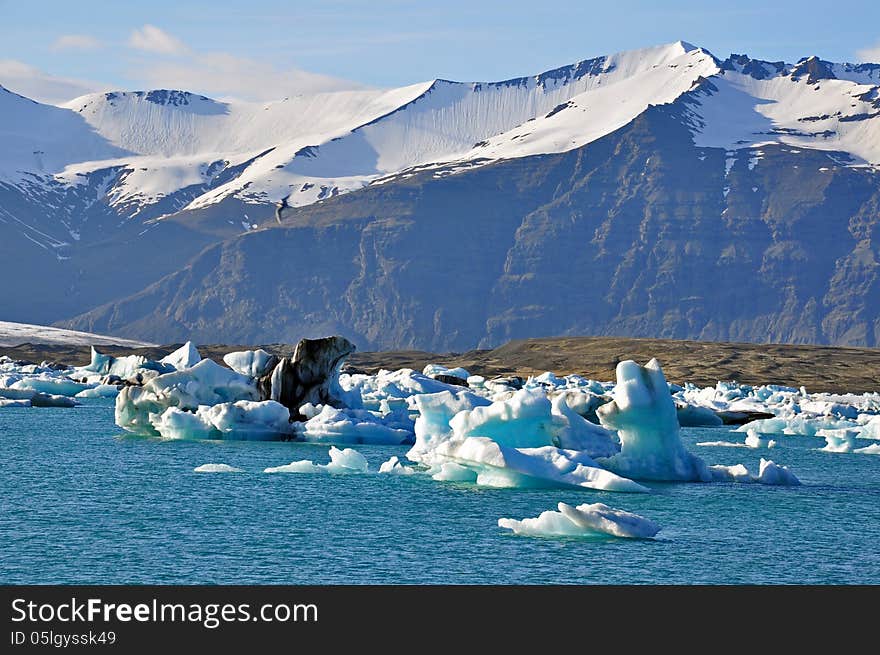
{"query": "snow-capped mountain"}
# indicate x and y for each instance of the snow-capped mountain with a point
(163, 174)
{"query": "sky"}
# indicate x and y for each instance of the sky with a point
(268, 49)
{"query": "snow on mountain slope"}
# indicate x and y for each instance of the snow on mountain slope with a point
(446, 121)
(14, 334)
(163, 152)
(38, 138)
(802, 105)
(610, 103)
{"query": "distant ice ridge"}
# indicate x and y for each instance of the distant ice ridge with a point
(583, 521)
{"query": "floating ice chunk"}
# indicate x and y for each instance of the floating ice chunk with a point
(53, 385)
(574, 432)
(310, 411)
(100, 391)
(341, 462)
(584, 521)
(99, 363)
(799, 424)
(694, 416)
(644, 415)
(736, 473)
(722, 444)
(252, 363)
(873, 449)
(8, 402)
(839, 441)
(186, 356)
(216, 468)
(774, 474)
(523, 421)
(502, 466)
(174, 423)
(394, 467)
(206, 383)
(432, 370)
(353, 426)
(755, 440)
(242, 420)
(435, 412)
(452, 472)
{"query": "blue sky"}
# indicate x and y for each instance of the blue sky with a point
(265, 48)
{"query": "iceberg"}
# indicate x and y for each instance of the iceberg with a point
(644, 415)
(252, 363)
(341, 462)
(206, 383)
(8, 402)
(495, 465)
(350, 426)
(736, 473)
(244, 420)
(584, 520)
(774, 474)
(435, 411)
(184, 357)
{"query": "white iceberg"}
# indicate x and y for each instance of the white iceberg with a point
(252, 363)
(644, 415)
(350, 426)
(774, 474)
(8, 402)
(503, 466)
(341, 462)
(735, 473)
(584, 521)
(216, 468)
(242, 420)
(206, 383)
(184, 357)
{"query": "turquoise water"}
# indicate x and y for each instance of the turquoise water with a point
(83, 504)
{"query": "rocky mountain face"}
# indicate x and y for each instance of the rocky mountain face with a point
(640, 233)
(661, 193)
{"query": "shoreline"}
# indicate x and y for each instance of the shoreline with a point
(818, 368)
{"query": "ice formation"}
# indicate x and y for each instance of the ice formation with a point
(216, 468)
(204, 385)
(186, 356)
(337, 426)
(394, 467)
(644, 415)
(241, 420)
(584, 521)
(341, 462)
(774, 474)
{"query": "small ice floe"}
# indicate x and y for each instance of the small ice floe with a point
(394, 467)
(341, 462)
(753, 440)
(216, 468)
(768, 473)
(583, 521)
(775, 474)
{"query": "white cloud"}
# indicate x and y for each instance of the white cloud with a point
(35, 84)
(75, 42)
(152, 39)
(870, 54)
(224, 75)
